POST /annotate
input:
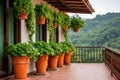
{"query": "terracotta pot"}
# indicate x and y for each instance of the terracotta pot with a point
(54, 25)
(76, 29)
(23, 16)
(61, 60)
(52, 62)
(65, 28)
(20, 65)
(41, 64)
(67, 58)
(41, 21)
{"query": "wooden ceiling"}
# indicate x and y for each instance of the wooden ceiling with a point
(72, 6)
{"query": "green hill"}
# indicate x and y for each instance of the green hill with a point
(104, 30)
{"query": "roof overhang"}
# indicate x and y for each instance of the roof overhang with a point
(72, 6)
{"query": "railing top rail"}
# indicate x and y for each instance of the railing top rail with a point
(118, 53)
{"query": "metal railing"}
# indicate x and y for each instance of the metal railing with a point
(88, 55)
(112, 60)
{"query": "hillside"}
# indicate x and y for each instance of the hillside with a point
(104, 30)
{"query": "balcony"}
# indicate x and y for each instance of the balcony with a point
(89, 63)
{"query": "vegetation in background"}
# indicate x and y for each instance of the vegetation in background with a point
(103, 30)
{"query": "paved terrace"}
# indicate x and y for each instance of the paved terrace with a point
(75, 71)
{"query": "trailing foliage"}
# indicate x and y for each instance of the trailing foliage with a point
(30, 23)
(76, 22)
(26, 6)
(22, 6)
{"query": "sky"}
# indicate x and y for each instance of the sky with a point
(101, 7)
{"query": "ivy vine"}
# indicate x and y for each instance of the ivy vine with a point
(30, 23)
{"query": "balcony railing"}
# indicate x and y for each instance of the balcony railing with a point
(88, 55)
(112, 60)
(98, 55)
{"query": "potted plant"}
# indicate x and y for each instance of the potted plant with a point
(66, 22)
(42, 12)
(22, 8)
(61, 56)
(44, 49)
(21, 54)
(53, 59)
(57, 19)
(69, 49)
(76, 23)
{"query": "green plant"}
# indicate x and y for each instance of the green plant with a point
(30, 23)
(22, 49)
(42, 10)
(64, 47)
(66, 20)
(56, 47)
(26, 6)
(43, 48)
(22, 6)
(76, 22)
(71, 47)
(58, 17)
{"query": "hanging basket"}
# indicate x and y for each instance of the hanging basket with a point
(23, 16)
(76, 29)
(65, 28)
(54, 25)
(41, 21)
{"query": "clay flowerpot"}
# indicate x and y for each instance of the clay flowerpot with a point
(61, 60)
(67, 58)
(41, 21)
(65, 28)
(20, 65)
(76, 29)
(22, 16)
(41, 64)
(52, 62)
(54, 25)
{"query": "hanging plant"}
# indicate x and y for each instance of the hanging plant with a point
(42, 13)
(76, 23)
(57, 19)
(30, 23)
(22, 8)
(66, 22)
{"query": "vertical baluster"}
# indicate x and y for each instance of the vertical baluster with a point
(82, 55)
(95, 54)
(99, 55)
(76, 54)
(89, 54)
(85, 54)
(79, 55)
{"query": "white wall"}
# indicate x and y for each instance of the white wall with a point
(61, 35)
(25, 38)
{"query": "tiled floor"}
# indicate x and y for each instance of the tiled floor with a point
(75, 71)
